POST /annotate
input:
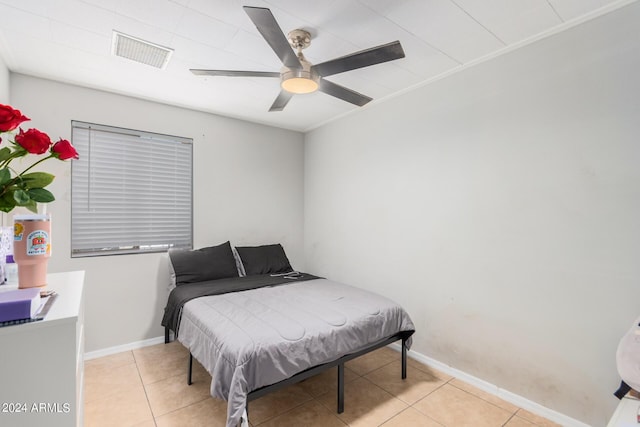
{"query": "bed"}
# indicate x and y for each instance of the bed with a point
(264, 326)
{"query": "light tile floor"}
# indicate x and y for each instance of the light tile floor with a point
(148, 387)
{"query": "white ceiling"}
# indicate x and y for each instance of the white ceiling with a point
(70, 41)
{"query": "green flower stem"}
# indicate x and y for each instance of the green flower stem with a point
(36, 163)
(13, 155)
(19, 176)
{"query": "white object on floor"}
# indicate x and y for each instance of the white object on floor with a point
(628, 356)
(626, 413)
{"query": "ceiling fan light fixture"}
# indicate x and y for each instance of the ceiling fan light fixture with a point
(299, 85)
(299, 81)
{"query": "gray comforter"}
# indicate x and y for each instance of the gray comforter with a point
(250, 339)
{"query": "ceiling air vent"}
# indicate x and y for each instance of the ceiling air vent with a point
(139, 50)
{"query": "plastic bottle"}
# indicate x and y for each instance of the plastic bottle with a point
(11, 271)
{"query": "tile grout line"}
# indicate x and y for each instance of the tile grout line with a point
(509, 419)
(409, 405)
(381, 388)
(144, 387)
(484, 400)
(282, 413)
(473, 395)
(390, 394)
(427, 395)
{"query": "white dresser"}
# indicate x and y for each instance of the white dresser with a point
(41, 363)
(626, 414)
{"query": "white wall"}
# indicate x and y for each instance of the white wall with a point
(248, 183)
(500, 206)
(4, 81)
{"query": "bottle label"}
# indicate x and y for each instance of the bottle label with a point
(38, 243)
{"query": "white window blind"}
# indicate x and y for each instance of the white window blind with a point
(131, 191)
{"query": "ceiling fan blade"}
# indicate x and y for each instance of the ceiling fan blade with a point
(281, 101)
(270, 30)
(364, 58)
(343, 93)
(230, 73)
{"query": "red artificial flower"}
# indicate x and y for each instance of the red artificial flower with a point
(10, 118)
(34, 141)
(64, 150)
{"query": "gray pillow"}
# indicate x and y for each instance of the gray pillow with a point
(199, 265)
(266, 259)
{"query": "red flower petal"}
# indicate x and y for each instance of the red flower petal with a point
(10, 118)
(64, 150)
(34, 141)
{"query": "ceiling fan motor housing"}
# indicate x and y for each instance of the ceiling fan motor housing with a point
(299, 39)
(301, 80)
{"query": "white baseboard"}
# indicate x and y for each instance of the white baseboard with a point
(503, 394)
(124, 347)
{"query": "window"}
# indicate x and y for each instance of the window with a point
(130, 191)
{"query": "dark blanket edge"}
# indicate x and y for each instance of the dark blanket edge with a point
(185, 293)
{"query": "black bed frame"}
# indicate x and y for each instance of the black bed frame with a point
(255, 394)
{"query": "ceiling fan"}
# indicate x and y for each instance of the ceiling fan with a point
(298, 75)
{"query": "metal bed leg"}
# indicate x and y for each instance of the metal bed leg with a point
(341, 388)
(404, 358)
(189, 382)
(166, 335)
